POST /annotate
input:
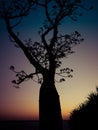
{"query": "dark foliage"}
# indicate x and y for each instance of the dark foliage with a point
(85, 117)
(43, 54)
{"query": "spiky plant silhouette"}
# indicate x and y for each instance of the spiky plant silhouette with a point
(86, 115)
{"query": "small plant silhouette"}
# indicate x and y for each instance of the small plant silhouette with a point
(86, 115)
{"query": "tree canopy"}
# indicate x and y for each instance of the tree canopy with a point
(45, 55)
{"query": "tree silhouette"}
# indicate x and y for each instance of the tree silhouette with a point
(85, 116)
(45, 56)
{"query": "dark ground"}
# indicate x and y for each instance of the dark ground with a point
(24, 125)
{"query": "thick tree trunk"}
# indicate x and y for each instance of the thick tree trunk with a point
(49, 108)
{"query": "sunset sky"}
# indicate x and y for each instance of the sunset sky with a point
(23, 103)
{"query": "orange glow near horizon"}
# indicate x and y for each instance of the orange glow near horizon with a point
(26, 115)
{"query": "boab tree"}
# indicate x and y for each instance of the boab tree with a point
(45, 56)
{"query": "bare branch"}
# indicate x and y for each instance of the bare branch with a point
(43, 37)
(19, 21)
(47, 13)
(22, 46)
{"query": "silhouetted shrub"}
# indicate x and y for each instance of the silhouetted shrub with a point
(85, 117)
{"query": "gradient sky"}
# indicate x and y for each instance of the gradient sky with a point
(23, 103)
